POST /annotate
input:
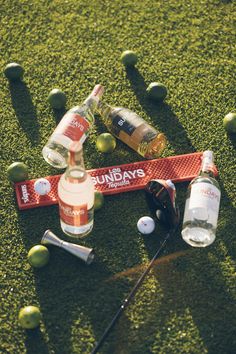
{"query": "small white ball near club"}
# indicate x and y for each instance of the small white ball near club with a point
(146, 225)
(42, 186)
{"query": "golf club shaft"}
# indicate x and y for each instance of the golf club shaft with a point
(130, 296)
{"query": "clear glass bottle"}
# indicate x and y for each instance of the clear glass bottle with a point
(74, 126)
(133, 130)
(76, 195)
(202, 206)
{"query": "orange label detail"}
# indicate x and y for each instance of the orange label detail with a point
(72, 125)
(73, 215)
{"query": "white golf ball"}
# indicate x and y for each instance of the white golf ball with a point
(42, 186)
(146, 225)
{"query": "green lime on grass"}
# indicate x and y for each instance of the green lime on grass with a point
(29, 317)
(129, 58)
(98, 200)
(106, 142)
(14, 71)
(229, 122)
(57, 99)
(157, 91)
(38, 256)
(17, 172)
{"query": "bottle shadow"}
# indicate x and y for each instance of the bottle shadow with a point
(190, 295)
(76, 299)
(187, 278)
(160, 113)
(35, 342)
(232, 138)
(58, 114)
(25, 110)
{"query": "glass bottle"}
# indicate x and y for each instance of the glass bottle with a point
(202, 205)
(132, 130)
(76, 195)
(74, 126)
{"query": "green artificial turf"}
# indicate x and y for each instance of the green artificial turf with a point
(187, 304)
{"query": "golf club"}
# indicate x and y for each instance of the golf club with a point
(160, 196)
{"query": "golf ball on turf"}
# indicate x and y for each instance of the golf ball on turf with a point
(42, 186)
(146, 225)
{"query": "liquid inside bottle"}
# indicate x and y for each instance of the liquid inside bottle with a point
(74, 126)
(202, 206)
(130, 128)
(76, 198)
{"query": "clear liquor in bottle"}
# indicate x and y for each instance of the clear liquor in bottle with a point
(133, 130)
(76, 195)
(74, 126)
(202, 206)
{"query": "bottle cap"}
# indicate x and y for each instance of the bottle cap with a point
(208, 154)
(170, 183)
(97, 92)
(93, 99)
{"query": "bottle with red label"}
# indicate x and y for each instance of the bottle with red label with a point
(74, 126)
(202, 205)
(76, 195)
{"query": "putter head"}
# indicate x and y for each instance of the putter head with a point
(160, 195)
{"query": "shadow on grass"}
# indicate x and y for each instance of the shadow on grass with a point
(161, 114)
(232, 138)
(25, 110)
(199, 283)
(35, 342)
(58, 114)
(75, 300)
(195, 298)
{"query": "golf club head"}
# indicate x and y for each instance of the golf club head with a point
(160, 196)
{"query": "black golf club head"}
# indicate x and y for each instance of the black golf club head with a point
(160, 195)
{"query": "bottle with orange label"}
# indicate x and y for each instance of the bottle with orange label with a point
(76, 195)
(130, 128)
(74, 126)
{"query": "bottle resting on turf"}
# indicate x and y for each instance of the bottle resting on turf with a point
(74, 126)
(76, 195)
(202, 206)
(130, 128)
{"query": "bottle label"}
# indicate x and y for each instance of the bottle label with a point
(205, 201)
(73, 126)
(73, 215)
(126, 121)
(132, 130)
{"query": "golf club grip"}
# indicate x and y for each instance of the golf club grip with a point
(130, 296)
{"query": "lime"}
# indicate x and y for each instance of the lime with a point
(14, 71)
(129, 58)
(99, 200)
(29, 317)
(229, 122)
(38, 256)
(157, 91)
(57, 98)
(106, 142)
(17, 172)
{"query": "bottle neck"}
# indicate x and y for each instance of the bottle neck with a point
(75, 172)
(207, 166)
(104, 109)
(92, 101)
